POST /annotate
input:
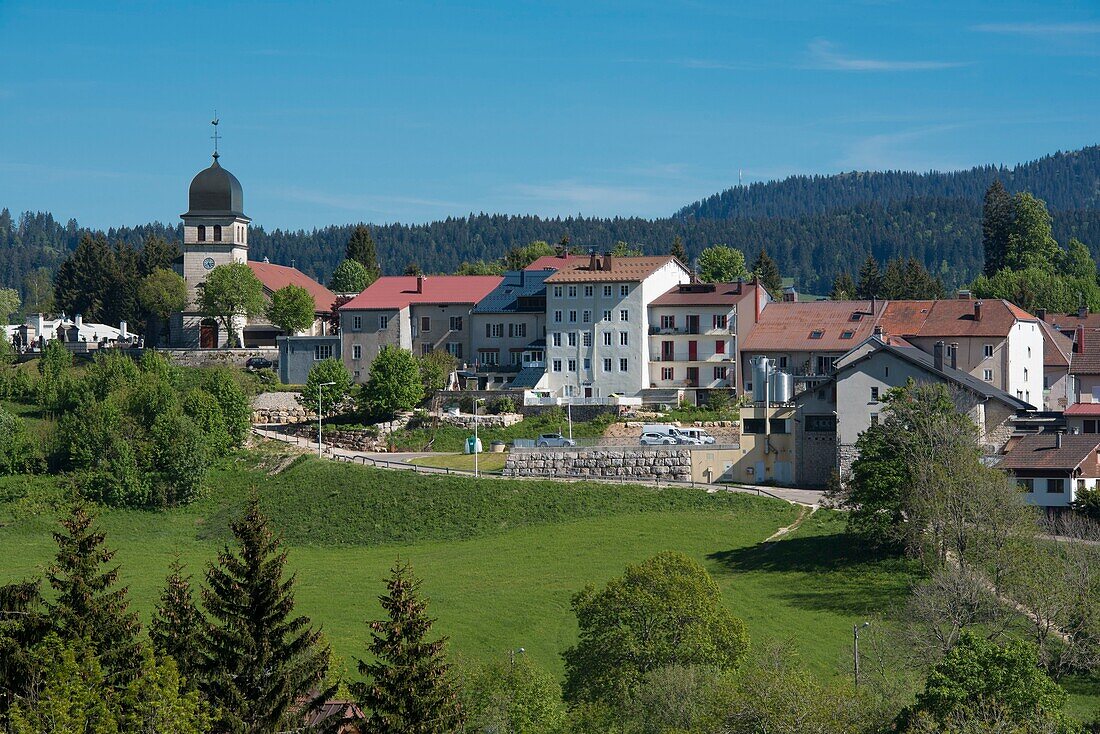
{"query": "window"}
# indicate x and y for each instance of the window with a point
(886, 370)
(607, 338)
(567, 390)
(817, 334)
(425, 348)
(821, 423)
(987, 375)
(572, 291)
(623, 365)
(720, 346)
(557, 317)
(607, 364)
(950, 350)
(719, 321)
(383, 322)
(783, 362)
(607, 291)
(668, 322)
(847, 334)
(607, 315)
(720, 373)
(874, 394)
(667, 373)
(572, 365)
(521, 330)
(624, 290)
(454, 349)
(874, 419)
(588, 291)
(488, 356)
(322, 351)
(624, 339)
(556, 338)
(202, 233)
(1025, 374)
(1090, 426)
(494, 331)
(1056, 486)
(217, 233)
(356, 322)
(356, 351)
(572, 317)
(425, 323)
(752, 425)
(624, 315)
(987, 350)
(587, 339)
(557, 291)
(557, 365)
(572, 338)
(456, 323)
(587, 363)
(586, 316)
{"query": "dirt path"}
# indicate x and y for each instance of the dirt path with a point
(803, 513)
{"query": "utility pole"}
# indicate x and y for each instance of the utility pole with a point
(320, 411)
(855, 649)
(476, 401)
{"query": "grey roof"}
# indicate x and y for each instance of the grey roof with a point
(215, 192)
(927, 362)
(516, 284)
(528, 377)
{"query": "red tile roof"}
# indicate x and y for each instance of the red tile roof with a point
(1085, 358)
(275, 277)
(557, 262)
(1083, 409)
(398, 291)
(1057, 347)
(705, 294)
(794, 326)
(1039, 451)
(1069, 322)
(623, 269)
(952, 317)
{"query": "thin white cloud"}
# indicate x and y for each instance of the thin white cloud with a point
(826, 55)
(898, 151)
(1040, 29)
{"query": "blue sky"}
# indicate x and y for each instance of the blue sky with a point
(413, 111)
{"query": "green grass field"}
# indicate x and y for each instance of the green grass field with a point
(500, 560)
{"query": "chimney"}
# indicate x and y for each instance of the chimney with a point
(879, 332)
(593, 260)
(954, 355)
(790, 295)
(740, 286)
(122, 333)
(874, 304)
(977, 310)
(607, 261)
(1079, 342)
(937, 355)
(1058, 440)
(1041, 313)
(79, 321)
(420, 284)
(1082, 311)
(964, 295)
(757, 298)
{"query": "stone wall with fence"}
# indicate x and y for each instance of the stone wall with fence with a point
(668, 463)
(218, 357)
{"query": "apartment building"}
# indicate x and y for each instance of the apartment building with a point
(509, 322)
(597, 323)
(418, 313)
(694, 330)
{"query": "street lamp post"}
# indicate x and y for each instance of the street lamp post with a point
(855, 649)
(476, 401)
(320, 410)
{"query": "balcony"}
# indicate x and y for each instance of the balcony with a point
(685, 357)
(685, 331)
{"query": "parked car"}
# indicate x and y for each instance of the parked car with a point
(656, 439)
(671, 432)
(698, 433)
(554, 440)
(258, 363)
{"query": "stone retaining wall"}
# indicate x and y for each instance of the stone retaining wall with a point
(218, 357)
(464, 420)
(638, 463)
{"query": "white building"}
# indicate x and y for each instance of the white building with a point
(1052, 468)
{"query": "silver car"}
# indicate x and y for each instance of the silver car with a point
(656, 439)
(554, 440)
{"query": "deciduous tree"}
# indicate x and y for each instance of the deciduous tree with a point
(162, 293)
(325, 371)
(1030, 241)
(9, 304)
(721, 264)
(349, 277)
(520, 256)
(291, 309)
(394, 383)
(229, 293)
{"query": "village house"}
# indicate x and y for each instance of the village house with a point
(1052, 468)
(509, 325)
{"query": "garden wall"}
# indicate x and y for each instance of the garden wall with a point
(638, 463)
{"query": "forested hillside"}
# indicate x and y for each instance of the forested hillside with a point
(814, 227)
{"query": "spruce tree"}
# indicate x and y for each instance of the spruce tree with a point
(83, 282)
(768, 272)
(893, 285)
(407, 691)
(23, 625)
(870, 279)
(88, 604)
(998, 213)
(362, 249)
(844, 288)
(678, 250)
(178, 626)
(263, 665)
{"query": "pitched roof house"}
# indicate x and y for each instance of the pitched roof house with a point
(1052, 468)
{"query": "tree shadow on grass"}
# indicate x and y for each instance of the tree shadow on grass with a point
(826, 572)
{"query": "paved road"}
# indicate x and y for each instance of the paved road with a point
(401, 461)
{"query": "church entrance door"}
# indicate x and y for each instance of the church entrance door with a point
(208, 334)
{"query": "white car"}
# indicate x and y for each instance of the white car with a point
(657, 439)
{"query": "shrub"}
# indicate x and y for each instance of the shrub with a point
(236, 409)
(504, 405)
(17, 451)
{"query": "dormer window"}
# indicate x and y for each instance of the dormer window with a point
(202, 233)
(217, 233)
(847, 334)
(817, 334)
(856, 316)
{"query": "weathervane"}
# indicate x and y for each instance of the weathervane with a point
(215, 136)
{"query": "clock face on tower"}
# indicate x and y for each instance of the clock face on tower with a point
(208, 263)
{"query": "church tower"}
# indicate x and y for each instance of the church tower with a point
(215, 232)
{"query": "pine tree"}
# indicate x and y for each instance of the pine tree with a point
(87, 604)
(408, 691)
(178, 626)
(262, 663)
(362, 249)
(23, 625)
(870, 279)
(83, 282)
(998, 213)
(678, 250)
(844, 288)
(768, 272)
(893, 285)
